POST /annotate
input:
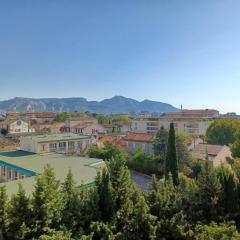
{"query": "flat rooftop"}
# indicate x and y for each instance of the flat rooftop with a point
(84, 169)
(57, 137)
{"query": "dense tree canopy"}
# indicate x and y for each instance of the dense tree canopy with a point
(222, 131)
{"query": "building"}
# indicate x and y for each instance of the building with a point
(216, 154)
(17, 127)
(60, 143)
(114, 139)
(135, 140)
(38, 117)
(50, 127)
(192, 122)
(23, 167)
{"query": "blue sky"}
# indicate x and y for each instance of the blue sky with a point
(181, 52)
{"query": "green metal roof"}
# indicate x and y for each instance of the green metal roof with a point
(84, 169)
(57, 137)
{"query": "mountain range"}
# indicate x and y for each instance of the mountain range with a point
(117, 104)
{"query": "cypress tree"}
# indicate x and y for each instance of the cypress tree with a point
(171, 163)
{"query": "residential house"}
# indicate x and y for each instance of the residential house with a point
(135, 140)
(216, 154)
(38, 117)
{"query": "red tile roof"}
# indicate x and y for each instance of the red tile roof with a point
(139, 137)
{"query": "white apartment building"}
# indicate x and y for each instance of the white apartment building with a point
(60, 143)
(192, 122)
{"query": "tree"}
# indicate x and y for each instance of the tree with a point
(164, 203)
(235, 147)
(160, 143)
(171, 163)
(121, 181)
(62, 117)
(70, 211)
(229, 198)
(214, 231)
(134, 220)
(222, 131)
(3, 210)
(105, 193)
(208, 193)
(47, 202)
(19, 216)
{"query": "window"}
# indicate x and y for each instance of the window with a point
(52, 147)
(71, 145)
(62, 145)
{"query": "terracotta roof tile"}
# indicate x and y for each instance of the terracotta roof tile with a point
(139, 137)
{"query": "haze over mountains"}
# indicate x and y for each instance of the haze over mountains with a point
(117, 104)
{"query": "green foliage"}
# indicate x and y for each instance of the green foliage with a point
(52, 234)
(144, 162)
(47, 204)
(214, 231)
(71, 202)
(222, 131)
(62, 117)
(229, 198)
(171, 163)
(235, 147)
(107, 152)
(19, 216)
(3, 209)
(208, 193)
(105, 193)
(160, 143)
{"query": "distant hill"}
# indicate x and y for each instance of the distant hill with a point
(117, 104)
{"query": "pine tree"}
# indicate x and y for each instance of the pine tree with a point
(19, 216)
(105, 193)
(47, 202)
(120, 180)
(3, 210)
(171, 163)
(208, 193)
(134, 220)
(70, 212)
(229, 197)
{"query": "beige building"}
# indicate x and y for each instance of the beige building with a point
(192, 122)
(216, 154)
(60, 143)
(134, 140)
(18, 126)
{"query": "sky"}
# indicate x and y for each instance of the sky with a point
(180, 52)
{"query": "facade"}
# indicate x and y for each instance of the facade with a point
(38, 117)
(216, 154)
(60, 143)
(17, 127)
(134, 140)
(192, 122)
(52, 127)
